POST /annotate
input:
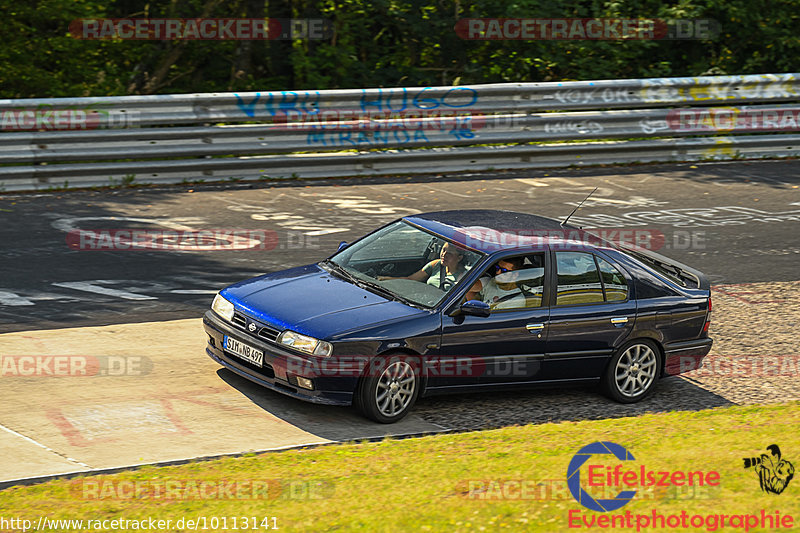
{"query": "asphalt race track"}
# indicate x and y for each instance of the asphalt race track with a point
(138, 310)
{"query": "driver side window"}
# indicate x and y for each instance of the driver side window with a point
(513, 283)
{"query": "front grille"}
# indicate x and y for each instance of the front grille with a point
(268, 333)
(264, 332)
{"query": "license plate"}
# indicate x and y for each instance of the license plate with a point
(244, 351)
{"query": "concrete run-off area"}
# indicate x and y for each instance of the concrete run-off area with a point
(113, 396)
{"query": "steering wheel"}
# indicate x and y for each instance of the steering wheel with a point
(432, 250)
(379, 270)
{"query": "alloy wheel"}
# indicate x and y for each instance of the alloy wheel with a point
(395, 389)
(636, 370)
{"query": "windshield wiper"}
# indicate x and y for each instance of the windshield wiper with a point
(387, 293)
(340, 270)
(365, 284)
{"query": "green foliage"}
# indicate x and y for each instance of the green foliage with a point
(378, 43)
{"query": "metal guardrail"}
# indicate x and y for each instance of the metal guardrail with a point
(170, 138)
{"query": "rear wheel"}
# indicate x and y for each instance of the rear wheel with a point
(389, 390)
(632, 373)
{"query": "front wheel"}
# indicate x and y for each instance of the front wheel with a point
(389, 391)
(632, 373)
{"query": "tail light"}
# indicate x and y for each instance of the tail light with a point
(708, 316)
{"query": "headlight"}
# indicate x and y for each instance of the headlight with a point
(304, 343)
(222, 307)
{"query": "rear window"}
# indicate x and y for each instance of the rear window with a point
(673, 274)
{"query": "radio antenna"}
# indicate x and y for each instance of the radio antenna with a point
(578, 207)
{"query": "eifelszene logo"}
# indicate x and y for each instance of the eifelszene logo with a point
(605, 480)
(574, 477)
(774, 472)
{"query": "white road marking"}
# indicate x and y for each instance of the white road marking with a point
(286, 219)
(771, 179)
(39, 444)
(194, 291)
(618, 185)
(395, 195)
(451, 192)
(361, 204)
(570, 181)
(72, 223)
(9, 298)
(274, 199)
(90, 286)
(632, 201)
(533, 182)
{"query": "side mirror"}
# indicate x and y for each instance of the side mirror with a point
(475, 308)
(342, 246)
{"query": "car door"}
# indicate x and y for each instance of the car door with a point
(591, 314)
(506, 347)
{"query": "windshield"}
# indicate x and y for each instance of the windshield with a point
(409, 263)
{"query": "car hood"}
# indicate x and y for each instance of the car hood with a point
(312, 301)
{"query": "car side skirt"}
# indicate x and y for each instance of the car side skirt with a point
(517, 385)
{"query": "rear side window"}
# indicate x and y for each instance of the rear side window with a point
(649, 287)
(578, 279)
(584, 278)
(614, 284)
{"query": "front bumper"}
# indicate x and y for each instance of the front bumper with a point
(279, 366)
(685, 356)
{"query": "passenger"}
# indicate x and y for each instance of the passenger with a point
(443, 272)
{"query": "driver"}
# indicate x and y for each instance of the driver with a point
(488, 290)
(443, 272)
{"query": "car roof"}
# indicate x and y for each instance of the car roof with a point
(492, 230)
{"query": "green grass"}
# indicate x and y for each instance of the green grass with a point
(423, 483)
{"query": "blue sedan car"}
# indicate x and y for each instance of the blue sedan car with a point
(457, 301)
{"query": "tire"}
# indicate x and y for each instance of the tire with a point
(389, 390)
(632, 372)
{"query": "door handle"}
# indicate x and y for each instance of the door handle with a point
(535, 328)
(619, 321)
